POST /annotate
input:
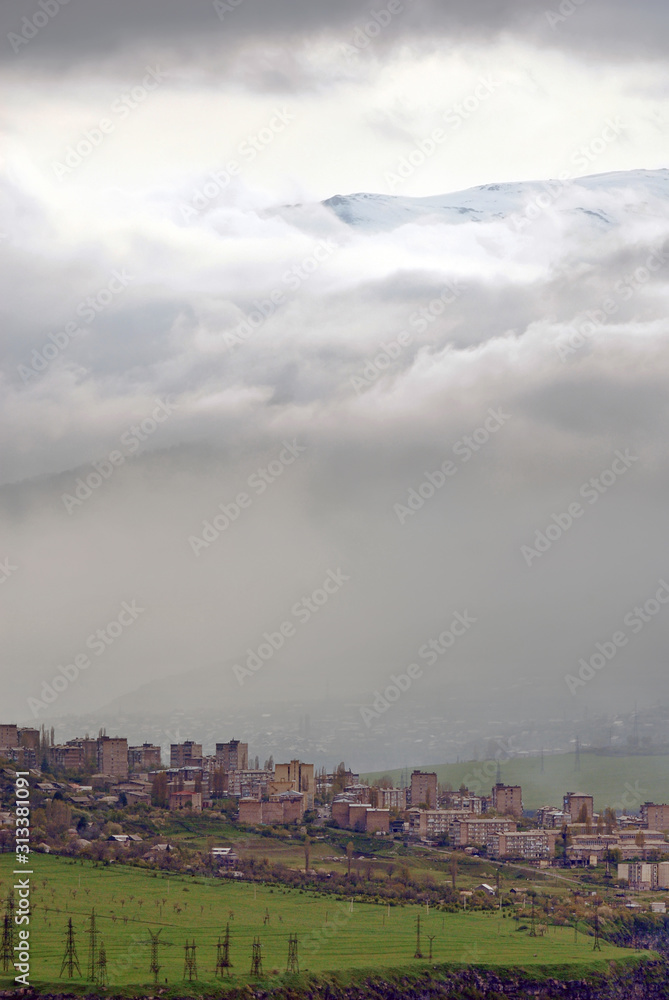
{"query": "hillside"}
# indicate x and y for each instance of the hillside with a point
(620, 782)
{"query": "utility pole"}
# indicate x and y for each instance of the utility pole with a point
(597, 946)
(256, 958)
(223, 962)
(190, 961)
(92, 947)
(154, 968)
(418, 953)
(293, 965)
(7, 951)
(431, 938)
(102, 977)
(70, 960)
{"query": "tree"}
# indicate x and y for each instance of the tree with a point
(582, 814)
(610, 819)
(218, 784)
(349, 856)
(159, 794)
(307, 852)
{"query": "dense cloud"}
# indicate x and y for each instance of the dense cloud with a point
(218, 393)
(85, 33)
(524, 353)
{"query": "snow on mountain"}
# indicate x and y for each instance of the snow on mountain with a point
(606, 198)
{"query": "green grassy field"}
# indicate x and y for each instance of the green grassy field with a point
(621, 782)
(333, 935)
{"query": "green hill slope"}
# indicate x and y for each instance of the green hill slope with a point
(621, 782)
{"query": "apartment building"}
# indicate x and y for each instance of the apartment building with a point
(188, 753)
(529, 845)
(551, 818)
(359, 816)
(431, 824)
(296, 777)
(643, 876)
(507, 800)
(232, 756)
(392, 798)
(112, 757)
(655, 817)
(473, 832)
(143, 758)
(574, 804)
(424, 789)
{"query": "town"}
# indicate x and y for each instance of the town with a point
(91, 777)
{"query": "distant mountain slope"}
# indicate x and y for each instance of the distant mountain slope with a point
(605, 197)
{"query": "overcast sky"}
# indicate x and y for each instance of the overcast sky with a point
(149, 151)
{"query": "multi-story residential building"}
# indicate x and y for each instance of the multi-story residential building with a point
(112, 757)
(465, 800)
(478, 831)
(424, 789)
(654, 816)
(359, 816)
(287, 807)
(29, 738)
(642, 876)
(586, 846)
(297, 777)
(531, 845)
(434, 823)
(251, 784)
(578, 805)
(392, 798)
(636, 843)
(182, 754)
(507, 799)
(232, 756)
(551, 818)
(144, 757)
(9, 736)
(359, 793)
(67, 756)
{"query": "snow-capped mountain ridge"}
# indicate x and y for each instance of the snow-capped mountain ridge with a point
(603, 196)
